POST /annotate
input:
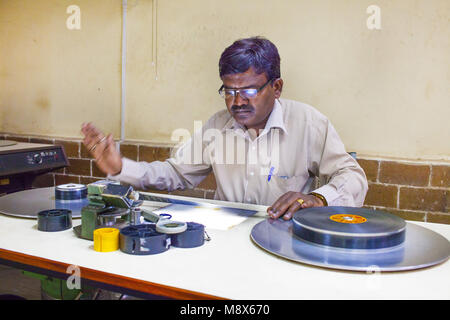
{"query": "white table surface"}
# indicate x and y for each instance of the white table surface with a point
(230, 266)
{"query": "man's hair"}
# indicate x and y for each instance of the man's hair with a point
(256, 52)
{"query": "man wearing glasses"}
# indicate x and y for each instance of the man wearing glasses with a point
(273, 147)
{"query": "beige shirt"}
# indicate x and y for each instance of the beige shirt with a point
(297, 144)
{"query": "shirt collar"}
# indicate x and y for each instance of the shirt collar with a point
(275, 121)
(276, 118)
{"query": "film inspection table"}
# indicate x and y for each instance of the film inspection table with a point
(230, 266)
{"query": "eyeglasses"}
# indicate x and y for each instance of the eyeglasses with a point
(247, 93)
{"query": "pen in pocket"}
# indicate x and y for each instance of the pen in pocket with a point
(270, 173)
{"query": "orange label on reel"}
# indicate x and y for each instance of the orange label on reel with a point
(348, 218)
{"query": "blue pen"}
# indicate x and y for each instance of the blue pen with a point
(270, 173)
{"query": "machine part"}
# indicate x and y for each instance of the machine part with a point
(349, 227)
(170, 227)
(112, 194)
(152, 217)
(156, 198)
(28, 203)
(54, 288)
(421, 248)
(111, 216)
(95, 188)
(7, 143)
(93, 217)
(70, 191)
(120, 202)
(89, 221)
(135, 215)
(22, 162)
(149, 216)
(143, 239)
(54, 220)
(117, 190)
(194, 236)
(95, 200)
(99, 186)
(106, 239)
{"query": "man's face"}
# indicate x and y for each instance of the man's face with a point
(254, 112)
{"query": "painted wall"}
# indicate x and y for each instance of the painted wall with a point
(51, 78)
(386, 91)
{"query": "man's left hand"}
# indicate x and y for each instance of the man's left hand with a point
(287, 204)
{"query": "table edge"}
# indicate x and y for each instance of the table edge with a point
(107, 278)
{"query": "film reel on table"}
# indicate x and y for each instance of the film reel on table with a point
(349, 228)
(70, 192)
(351, 238)
(28, 203)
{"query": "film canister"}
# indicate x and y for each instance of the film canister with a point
(54, 220)
(106, 239)
(143, 239)
(194, 236)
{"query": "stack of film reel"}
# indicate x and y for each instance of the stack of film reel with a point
(70, 192)
(151, 238)
(154, 237)
(60, 219)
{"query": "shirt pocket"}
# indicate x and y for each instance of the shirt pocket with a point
(280, 185)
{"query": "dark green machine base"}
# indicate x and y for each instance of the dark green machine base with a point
(120, 223)
(53, 288)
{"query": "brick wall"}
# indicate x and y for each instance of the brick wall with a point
(412, 190)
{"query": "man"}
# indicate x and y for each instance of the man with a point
(282, 144)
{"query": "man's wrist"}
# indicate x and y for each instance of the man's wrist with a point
(321, 197)
(119, 170)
